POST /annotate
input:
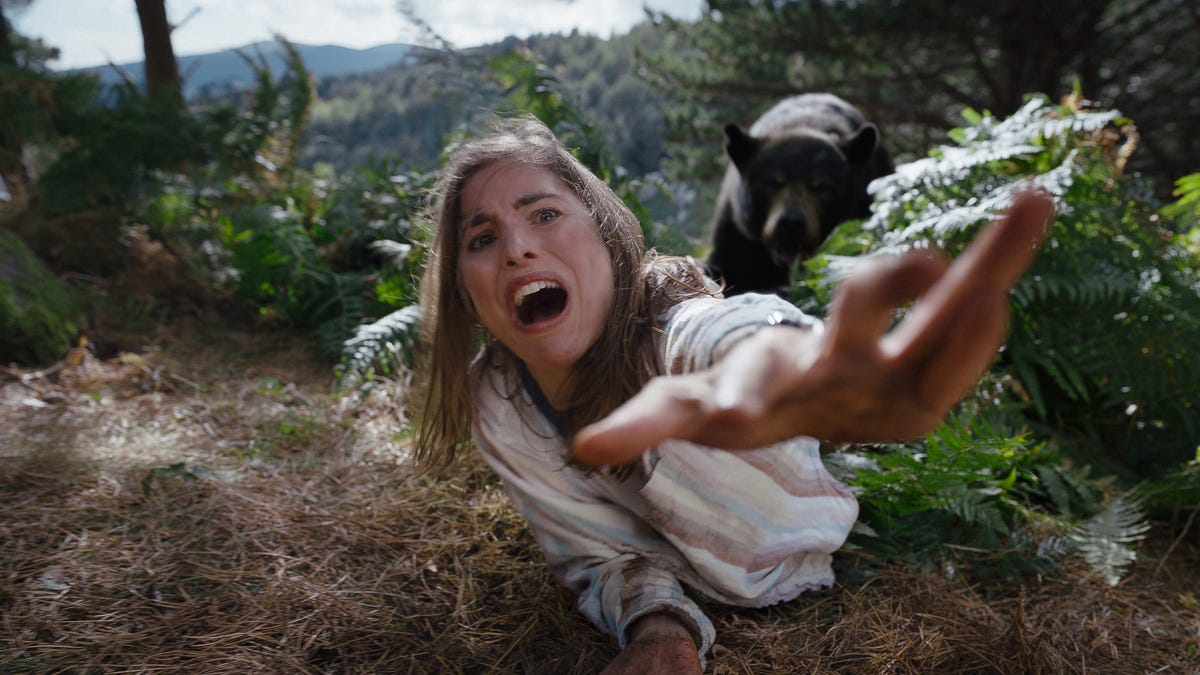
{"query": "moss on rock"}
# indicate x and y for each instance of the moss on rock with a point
(39, 315)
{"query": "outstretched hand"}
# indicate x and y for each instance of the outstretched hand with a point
(853, 381)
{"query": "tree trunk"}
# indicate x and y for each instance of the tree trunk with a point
(162, 71)
(6, 50)
(12, 151)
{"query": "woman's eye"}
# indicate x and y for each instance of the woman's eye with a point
(546, 215)
(480, 241)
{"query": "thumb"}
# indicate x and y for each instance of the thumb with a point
(663, 409)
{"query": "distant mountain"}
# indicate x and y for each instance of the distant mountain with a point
(223, 70)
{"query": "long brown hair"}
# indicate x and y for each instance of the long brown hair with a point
(615, 367)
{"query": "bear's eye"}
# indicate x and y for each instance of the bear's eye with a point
(823, 188)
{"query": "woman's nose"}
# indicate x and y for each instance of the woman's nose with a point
(518, 248)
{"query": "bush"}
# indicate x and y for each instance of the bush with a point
(1097, 373)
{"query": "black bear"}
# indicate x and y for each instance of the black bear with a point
(800, 171)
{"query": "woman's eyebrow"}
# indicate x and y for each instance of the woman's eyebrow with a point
(529, 198)
(481, 217)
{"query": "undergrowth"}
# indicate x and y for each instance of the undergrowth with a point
(1089, 414)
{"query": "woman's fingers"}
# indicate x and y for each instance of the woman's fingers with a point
(667, 407)
(993, 262)
(968, 346)
(864, 305)
(763, 368)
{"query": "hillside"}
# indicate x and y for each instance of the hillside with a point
(225, 70)
(405, 112)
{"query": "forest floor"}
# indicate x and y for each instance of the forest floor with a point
(211, 504)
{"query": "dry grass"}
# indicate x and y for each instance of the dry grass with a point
(213, 507)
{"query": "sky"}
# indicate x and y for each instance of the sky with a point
(95, 32)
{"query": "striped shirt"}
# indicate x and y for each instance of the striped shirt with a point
(748, 528)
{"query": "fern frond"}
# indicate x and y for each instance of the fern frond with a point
(976, 507)
(381, 346)
(394, 252)
(1105, 541)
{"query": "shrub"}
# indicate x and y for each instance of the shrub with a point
(1097, 373)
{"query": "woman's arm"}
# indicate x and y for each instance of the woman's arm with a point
(851, 381)
(594, 546)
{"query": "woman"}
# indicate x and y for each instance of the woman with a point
(636, 360)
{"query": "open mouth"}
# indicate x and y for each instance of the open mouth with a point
(539, 301)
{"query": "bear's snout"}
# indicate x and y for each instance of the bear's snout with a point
(792, 229)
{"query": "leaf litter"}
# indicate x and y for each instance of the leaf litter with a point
(214, 504)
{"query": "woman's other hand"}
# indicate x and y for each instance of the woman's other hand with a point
(659, 645)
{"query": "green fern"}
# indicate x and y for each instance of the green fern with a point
(962, 493)
(1175, 498)
(1187, 211)
(1097, 374)
(1102, 323)
(382, 346)
(1106, 540)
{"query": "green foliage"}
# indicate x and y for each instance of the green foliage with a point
(39, 315)
(125, 145)
(306, 249)
(268, 133)
(975, 497)
(219, 183)
(1098, 352)
(384, 346)
(31, 100)
(1187, 212)
(1097, 370)
(1175, 497)
(326, 253)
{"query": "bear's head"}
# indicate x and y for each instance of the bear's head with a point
(796, 188)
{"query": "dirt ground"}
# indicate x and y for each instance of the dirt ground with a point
(211, 504)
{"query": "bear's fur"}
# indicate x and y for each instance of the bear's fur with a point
(800, 171)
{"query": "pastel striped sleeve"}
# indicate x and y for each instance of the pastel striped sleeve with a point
(698, 331)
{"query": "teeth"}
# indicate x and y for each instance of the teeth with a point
(531, 288)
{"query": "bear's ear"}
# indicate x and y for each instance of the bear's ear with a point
(739, 145)
(859, 147)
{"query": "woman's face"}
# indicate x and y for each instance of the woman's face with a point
(534, 266)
